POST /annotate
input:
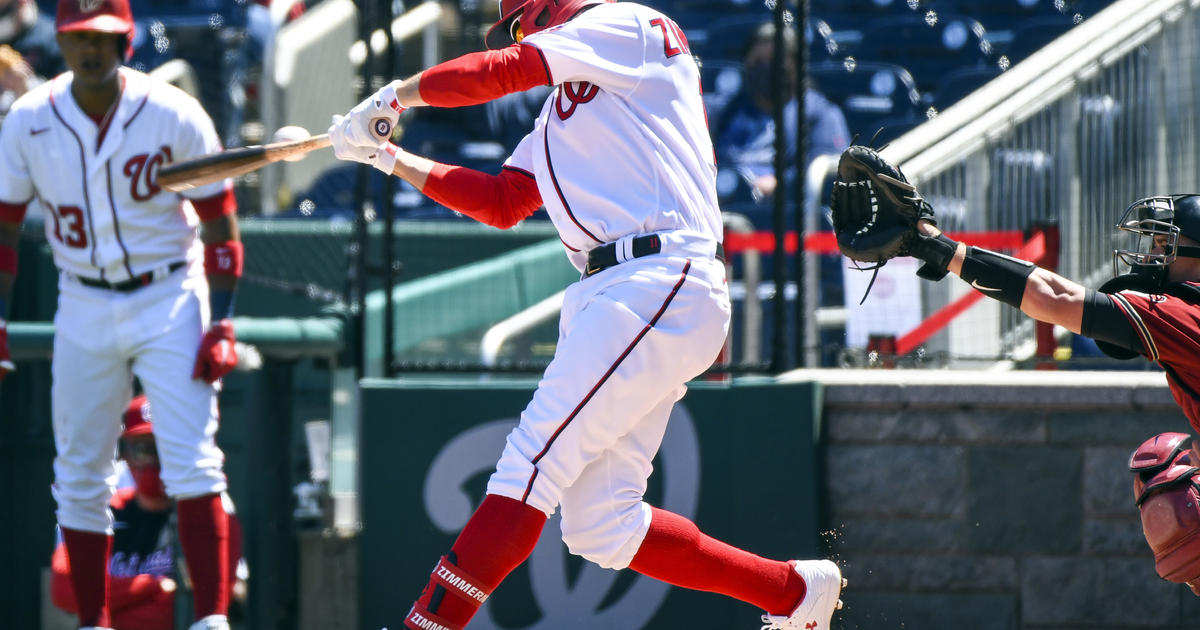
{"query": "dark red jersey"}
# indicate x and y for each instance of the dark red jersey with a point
(1169, 330)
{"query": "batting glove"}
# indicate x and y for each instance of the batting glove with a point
(217, 355)
(6, 364)
(381, 155)
(373, 120)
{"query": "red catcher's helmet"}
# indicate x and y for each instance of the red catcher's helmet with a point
(137, 417)
(102, 16)
(533, 16)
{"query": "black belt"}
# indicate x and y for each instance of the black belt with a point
(605, 256)
(133, 283)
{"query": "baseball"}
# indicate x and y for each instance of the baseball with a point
(289, 133)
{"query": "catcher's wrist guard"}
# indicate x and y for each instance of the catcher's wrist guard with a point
(996, 275)
(936, 252)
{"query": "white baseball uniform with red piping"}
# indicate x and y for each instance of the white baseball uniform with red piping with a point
(620, 149)
(107, 219)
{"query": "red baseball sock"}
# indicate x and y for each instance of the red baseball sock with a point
(498, 538)
(88, 554)
(204, 536)
(677, 552)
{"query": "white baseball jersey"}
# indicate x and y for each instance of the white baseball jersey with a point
(621, 147)
(106, 218)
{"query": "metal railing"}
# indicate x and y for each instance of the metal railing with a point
(1103, 115)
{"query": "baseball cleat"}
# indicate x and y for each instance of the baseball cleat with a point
(824, 582)
(211, 622)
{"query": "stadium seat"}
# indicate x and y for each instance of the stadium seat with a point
(867, 92)
(852, 14)
(928, 51)
(1001, 18)
(720, 81)
(882, 131)
(724, 36)
(960, 83)
(1033, 34)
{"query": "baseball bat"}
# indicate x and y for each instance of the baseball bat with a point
(215, 167)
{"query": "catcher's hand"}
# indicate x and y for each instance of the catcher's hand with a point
(875, 209)
(876, 212)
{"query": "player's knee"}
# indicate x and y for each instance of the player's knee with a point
(82, 504)
(194, 482)
(606, 535)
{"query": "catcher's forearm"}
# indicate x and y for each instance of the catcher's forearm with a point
(995, 275)
(1039, 293)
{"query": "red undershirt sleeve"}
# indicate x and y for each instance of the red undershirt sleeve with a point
(501, 201)
(12, 212)
(220, 204)
(483, 76)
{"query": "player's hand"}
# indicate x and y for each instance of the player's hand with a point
(381, 155)
(6, 364)
(372, 121)
(217, 355)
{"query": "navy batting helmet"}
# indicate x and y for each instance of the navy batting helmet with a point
(101, 16)
(531, 16)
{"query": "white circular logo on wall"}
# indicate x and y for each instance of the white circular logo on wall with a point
(564, 602)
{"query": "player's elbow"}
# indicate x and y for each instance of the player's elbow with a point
(1050, 298)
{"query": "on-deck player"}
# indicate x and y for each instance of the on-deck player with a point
(620, 155)
(140, 291)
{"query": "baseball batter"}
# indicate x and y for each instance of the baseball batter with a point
(1152, 311)
(146, 289)
(621, 158)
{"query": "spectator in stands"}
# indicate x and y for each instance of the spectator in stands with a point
(745, 133)
(28, 50)
(142, 568)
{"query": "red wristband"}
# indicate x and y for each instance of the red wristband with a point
(223, 259)
(8, 260)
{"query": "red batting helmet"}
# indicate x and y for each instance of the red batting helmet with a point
(137, 417)
(532, 16)
(102, 16)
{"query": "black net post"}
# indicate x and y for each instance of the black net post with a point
(803, 342)
(780, 359)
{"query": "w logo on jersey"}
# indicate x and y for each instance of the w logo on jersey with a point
(576, 93)
(142, 171)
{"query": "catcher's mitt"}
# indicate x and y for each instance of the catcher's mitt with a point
(875, 209)
(875, 215)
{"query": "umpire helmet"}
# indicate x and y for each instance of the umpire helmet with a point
(531, 16)
(102, 16)
(1165, 216)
